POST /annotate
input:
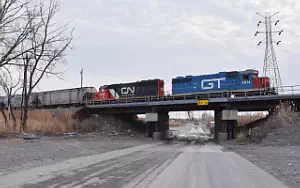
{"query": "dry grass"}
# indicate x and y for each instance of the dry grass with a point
(42, 121)
(175, 123)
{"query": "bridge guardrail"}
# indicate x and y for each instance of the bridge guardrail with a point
(285, 90)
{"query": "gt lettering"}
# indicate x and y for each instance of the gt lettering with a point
(127, 90)
(210, 83)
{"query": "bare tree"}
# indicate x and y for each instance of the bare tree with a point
(14, 29)
(10, 86)
(45, 47)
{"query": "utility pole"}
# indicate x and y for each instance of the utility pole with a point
(270, 68)
(81, 77)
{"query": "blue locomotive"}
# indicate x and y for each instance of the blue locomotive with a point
(235, 81)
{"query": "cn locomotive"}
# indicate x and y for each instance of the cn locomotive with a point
(144, 88)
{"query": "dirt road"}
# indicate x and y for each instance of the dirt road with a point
(148, 165)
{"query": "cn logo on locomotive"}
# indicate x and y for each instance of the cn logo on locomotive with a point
(127, 90)
(209, 83)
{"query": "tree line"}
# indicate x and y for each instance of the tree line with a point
(32, 45)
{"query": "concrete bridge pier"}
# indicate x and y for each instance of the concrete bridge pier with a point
(225, 124)
(219, 124)
(157, 125)
(231, 129)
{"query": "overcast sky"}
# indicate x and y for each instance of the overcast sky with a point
(129, 40)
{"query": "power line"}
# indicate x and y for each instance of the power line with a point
(270, 68)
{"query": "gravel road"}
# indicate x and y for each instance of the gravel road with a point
(149, 165)
(18, 154)
(283, 162)
(278, 154)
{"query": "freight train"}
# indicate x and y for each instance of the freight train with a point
(215, 85)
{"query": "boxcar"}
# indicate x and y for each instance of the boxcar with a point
(154, 87)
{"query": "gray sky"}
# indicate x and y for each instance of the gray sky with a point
(128, 40)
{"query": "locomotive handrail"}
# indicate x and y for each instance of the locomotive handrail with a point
(287, 90)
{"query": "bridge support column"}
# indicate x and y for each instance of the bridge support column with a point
(225, 124)
(158, 125)
(219, 124)
(231, 129)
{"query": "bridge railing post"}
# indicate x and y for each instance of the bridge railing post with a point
(292, 90)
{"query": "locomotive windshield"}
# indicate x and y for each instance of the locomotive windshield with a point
(101, 89)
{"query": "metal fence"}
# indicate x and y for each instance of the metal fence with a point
(285, 90)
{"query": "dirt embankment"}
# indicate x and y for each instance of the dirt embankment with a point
(274, 146)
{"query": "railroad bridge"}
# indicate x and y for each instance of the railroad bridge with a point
(225, 105)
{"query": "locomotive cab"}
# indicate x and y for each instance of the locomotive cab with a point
(261, 82)
(103, 94)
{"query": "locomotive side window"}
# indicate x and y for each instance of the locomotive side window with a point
(232, 74)
(177, 81)
(187, 79)
(246, 77)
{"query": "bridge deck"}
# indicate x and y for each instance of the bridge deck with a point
(187, 100)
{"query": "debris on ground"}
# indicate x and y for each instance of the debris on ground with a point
(73, 135)
(30, 136)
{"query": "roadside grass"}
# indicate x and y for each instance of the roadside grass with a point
(41, 121)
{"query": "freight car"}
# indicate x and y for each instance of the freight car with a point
(143, 88)
(65, 97)
(237, 82)
(74, 96)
